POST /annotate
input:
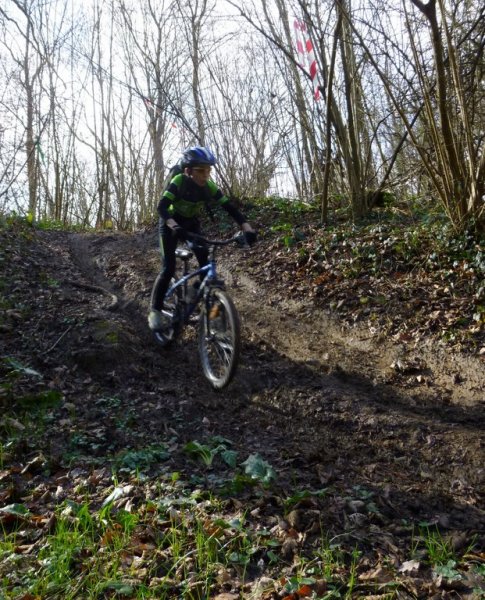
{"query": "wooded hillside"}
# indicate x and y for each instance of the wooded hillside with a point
(99, 99)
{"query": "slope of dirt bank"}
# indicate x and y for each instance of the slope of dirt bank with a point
(327, 407)
(340, 403)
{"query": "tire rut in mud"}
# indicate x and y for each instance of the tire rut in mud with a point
(306, 398)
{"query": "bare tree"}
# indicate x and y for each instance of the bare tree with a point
(336, 141)
(457, 165)
(194, 16)
(241, 119)
(55, 170)
(153, 59)
(429, 97)
(30, 65)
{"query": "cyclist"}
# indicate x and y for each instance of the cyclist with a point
(180, 208)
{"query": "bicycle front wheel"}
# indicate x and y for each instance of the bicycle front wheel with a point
(219, 338)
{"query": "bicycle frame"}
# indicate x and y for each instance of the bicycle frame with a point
(210, 280)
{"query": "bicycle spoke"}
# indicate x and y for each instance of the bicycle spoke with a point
(223, 351)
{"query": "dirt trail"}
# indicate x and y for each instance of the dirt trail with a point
(384, 435)
(326, 406)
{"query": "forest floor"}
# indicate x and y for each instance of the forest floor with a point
(345, 460)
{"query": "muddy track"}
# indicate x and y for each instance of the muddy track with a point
(321, 404)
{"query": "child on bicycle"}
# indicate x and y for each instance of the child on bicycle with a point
(180, 208)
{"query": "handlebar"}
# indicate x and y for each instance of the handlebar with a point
(238, 238)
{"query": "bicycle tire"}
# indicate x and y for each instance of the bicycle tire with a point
(219, 338)
(171, 313)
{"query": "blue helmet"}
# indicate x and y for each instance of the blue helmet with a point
(197, 155)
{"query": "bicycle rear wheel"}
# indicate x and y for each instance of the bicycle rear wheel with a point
(171, 320)
(219, 338)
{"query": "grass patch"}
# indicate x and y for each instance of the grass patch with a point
(185, 545)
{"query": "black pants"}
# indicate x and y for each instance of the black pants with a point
(168, 244)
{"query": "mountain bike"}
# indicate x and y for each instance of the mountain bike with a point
(202, 291)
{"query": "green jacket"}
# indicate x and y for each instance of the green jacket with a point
(184, 198)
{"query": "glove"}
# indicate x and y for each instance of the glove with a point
(250, 237)
(181, 233)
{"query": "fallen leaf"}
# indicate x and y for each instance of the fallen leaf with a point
(15, 424)
(14, 510)
(410, 566)
(34, 465)
(118, 493)
(305, 591)
(379, 574)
